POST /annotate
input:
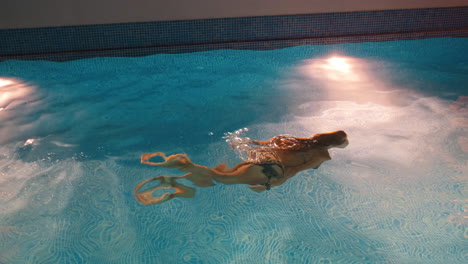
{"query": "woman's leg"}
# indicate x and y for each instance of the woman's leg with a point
(242, 173)
(200, 175)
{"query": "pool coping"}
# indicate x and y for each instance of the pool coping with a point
(253, 33)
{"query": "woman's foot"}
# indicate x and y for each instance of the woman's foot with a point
(166, 182)
(179, 161)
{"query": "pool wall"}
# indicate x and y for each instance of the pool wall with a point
(258, 33)
(53, 13)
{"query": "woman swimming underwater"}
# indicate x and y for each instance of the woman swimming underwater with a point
(271, 164)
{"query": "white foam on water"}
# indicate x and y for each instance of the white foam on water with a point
(27, 184)
(76, 206)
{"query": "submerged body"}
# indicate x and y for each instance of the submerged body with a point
(271, 164)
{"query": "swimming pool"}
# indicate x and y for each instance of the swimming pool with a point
(73, 132)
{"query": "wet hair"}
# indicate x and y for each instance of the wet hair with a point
(335, 138)
(331, 139)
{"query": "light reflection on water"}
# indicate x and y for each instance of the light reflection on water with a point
(14, 93)
(406, 161)
(386, 122)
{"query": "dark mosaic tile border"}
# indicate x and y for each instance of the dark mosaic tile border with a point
(256, 33)
(251, 45)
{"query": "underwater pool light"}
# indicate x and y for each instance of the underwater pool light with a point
(339, 64)
(334, 68)
(5, 82)
(30, 141)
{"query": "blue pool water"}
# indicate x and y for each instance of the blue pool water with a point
(71, 135)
